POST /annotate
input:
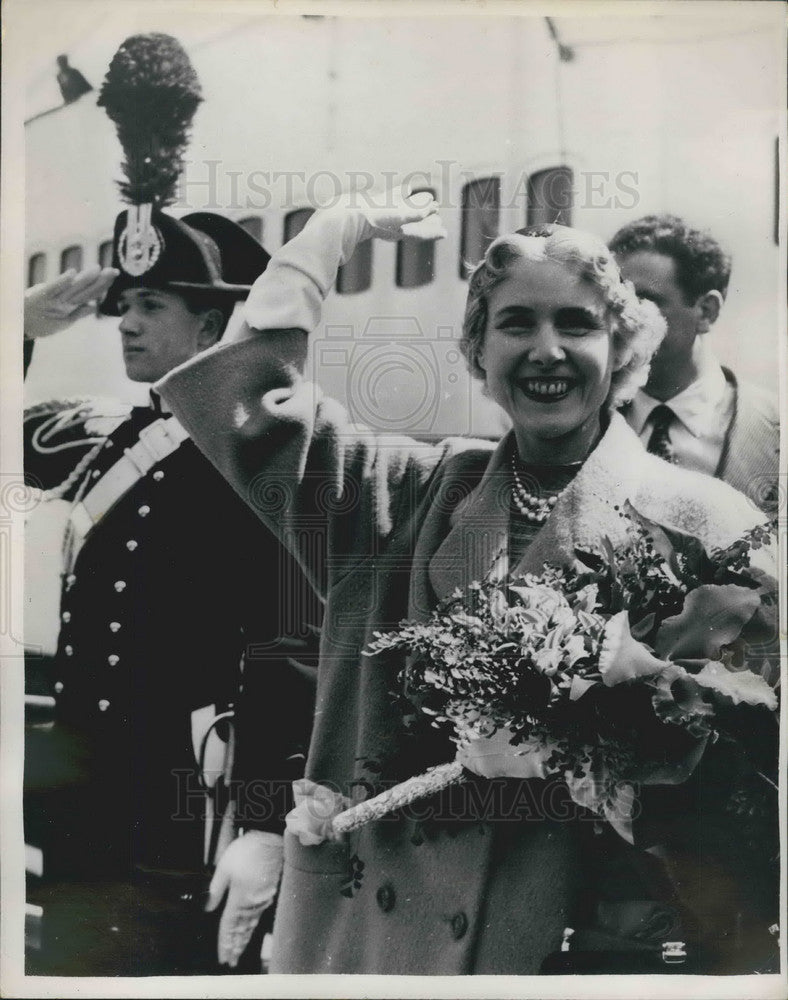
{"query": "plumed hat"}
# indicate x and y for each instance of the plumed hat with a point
(151, 93)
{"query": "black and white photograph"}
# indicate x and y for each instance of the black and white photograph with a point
(393, 513)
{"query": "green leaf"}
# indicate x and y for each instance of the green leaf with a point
(591, 560)
(643, 627)
(579, 687)
(610, 552)
(660, 537)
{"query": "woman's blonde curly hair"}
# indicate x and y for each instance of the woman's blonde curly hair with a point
(636, 326)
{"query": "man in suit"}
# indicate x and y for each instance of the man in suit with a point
(693, 411)
(169, 581)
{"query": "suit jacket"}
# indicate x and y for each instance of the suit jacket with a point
(751, 445)
(385, 527)
(751, 454)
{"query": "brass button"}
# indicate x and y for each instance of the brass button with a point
(103, 705)
(66, 616)
(386, 898)
(158, 475)
(69, 650)
(58, 687)
(131, 545)
(114, 626)
(459, 925)
(120, 585)
(144, 510)
(113, 659)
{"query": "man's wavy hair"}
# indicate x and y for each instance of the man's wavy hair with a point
(636, 326)
(701, 263)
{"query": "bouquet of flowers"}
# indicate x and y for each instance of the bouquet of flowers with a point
(612, 672)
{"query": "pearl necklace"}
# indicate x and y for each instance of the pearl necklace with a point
(533, 508)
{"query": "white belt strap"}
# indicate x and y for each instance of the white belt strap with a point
(156, 442)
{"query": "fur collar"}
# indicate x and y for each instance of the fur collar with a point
(617, 470)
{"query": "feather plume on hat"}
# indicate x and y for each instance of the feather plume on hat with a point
(151, 93)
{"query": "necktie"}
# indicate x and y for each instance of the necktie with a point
(659, 442)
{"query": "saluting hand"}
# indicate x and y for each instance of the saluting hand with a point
(52, 306)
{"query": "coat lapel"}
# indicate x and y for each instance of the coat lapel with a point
(589, 508)
(479, 530)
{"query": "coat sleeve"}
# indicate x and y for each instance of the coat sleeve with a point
(330, 490)
(280, 618)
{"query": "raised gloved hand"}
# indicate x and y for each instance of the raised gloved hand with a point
(52, 306)
(248, 873)
(394, 214)
(290, 293)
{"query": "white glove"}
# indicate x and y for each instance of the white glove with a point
(315, 807)
(290, 292)
(249, 872)
(495, 757)
(53, 306)
(394, 214)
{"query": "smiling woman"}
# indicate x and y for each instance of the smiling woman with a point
(547, 359)
(557, 337)
(559, 340)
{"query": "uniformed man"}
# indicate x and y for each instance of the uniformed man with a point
(168, 580)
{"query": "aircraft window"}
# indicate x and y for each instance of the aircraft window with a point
(71, 257)
(36, 269)
(481, 202)
(295, 222)
(550, 197)
(356, 275)
(105, 253)
(415, 259)
(253, 224)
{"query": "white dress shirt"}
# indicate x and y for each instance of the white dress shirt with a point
(703, 413)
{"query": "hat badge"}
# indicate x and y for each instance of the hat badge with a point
(140, 243)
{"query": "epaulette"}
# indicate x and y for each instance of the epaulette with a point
(58, 424)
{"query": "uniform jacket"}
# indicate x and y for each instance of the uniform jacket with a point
(386, 527)
(169, 591)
